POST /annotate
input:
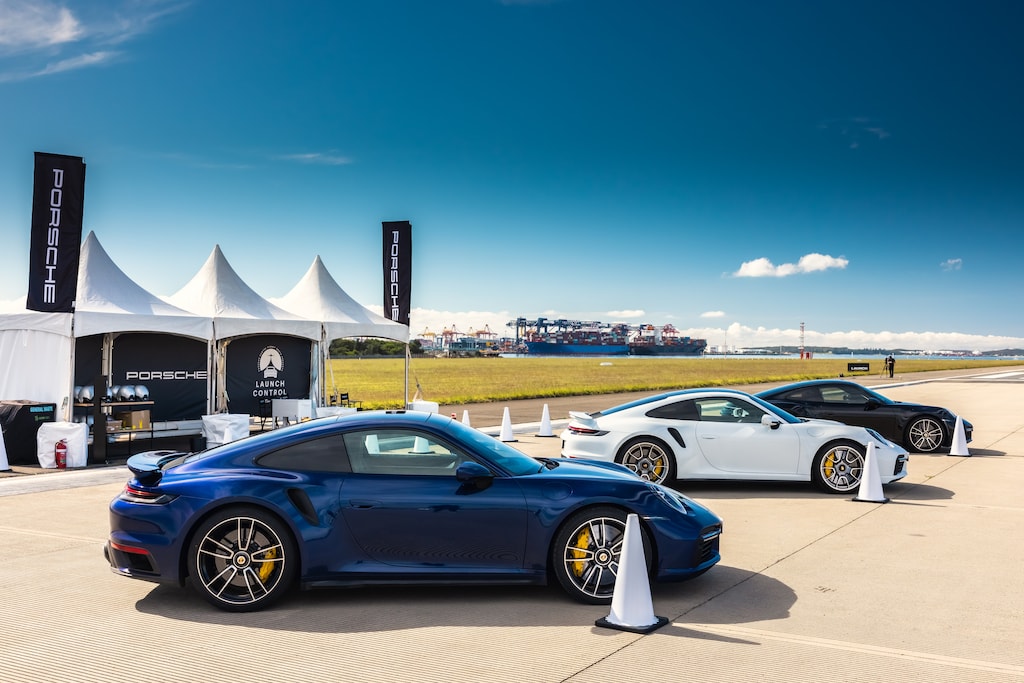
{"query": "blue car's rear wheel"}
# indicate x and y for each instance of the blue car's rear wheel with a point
(242, 559)
(586, 553)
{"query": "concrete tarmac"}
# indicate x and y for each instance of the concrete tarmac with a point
(811, 587)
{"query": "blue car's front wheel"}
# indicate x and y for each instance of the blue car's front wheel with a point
(586, 553)
(242, 559)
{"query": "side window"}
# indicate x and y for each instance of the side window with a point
(401, 452)
(728, 410)
(681, 410)
(326, 454)
(842, 395)
(805, 394)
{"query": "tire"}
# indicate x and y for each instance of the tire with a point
(586, 552)
(649, 458)
(838, 467)
(242, 559)
(925, 435)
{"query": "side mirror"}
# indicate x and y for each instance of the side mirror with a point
(872, 404)
(474, 474)
(771, 422)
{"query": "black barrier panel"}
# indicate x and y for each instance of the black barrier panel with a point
(267, 366)
(858, 367)
(170, 369)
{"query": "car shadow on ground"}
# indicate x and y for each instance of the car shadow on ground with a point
(384, 609)
(731, 490)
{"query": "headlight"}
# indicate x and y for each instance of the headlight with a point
(878, 437)
(673, 499)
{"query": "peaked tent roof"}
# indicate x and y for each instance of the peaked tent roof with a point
(319, 297)
(110, 301)
(218, 292)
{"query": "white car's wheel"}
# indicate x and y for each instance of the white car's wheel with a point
(838, 467)
(649, 458)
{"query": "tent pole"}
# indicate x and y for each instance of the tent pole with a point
(407, 356)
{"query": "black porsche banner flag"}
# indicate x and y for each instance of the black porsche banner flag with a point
(397, 270)
(58, 199)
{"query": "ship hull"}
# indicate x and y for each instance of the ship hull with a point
(560, 349)
(665, 350)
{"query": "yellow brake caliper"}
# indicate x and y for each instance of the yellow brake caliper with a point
(582, 541)
(829, 467)
(266, 568)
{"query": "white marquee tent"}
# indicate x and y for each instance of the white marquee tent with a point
(36, 349)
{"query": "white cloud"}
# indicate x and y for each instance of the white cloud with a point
(810, 263)
(320, 158)
(30, 24)
(713, 314)
(616, 315)
(52, 38)
(952, 264)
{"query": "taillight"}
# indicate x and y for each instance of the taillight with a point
(585, 431)
(133, 494)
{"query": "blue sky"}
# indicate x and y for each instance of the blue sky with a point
(732, 168)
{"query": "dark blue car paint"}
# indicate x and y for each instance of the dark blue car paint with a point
(369, 532)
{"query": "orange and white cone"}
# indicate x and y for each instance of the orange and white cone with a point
(632, 609)
(465, 418)
(506, 427)
(545, 423)
(870, 490)
(959, 445)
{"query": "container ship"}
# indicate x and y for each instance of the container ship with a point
(664, 341)
(544, 337)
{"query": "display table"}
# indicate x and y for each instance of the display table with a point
(329, 411)
(224, 428)
(291, 410)
(76, 434)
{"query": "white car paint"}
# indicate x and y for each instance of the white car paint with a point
(724, 434)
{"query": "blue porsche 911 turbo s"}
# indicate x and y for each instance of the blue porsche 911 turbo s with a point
(395, 497)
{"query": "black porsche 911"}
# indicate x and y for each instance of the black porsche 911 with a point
(919, 428)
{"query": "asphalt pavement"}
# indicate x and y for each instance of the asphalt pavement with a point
(811, 587)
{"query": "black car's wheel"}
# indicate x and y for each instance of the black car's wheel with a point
(649, 457)
(242, 559)
(586, 553)
(925, 435)
(838, 467)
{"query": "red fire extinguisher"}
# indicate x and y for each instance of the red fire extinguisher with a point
(60, 452)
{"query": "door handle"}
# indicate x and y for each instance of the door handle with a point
(363, 504)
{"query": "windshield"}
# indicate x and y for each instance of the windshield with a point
(504, 456)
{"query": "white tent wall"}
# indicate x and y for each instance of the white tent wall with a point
(35, 358)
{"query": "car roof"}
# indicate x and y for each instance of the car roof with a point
(673, 394)
(806, 383)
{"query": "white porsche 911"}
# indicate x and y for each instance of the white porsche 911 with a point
(728, 434)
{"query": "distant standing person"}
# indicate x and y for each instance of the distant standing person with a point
(890, 365)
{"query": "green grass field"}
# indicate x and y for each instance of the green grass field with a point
(380, 383)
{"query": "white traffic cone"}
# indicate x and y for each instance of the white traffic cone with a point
(4, 464)
(959, 445)
(545, 423)
(870, 490)
(632, 608)
(420, 445)
(465, 418)
(506, 427)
